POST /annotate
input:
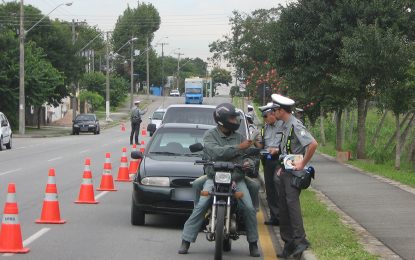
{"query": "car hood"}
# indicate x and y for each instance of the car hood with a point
(84, 122)
(172, 166)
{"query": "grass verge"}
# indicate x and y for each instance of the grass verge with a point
(329, 237)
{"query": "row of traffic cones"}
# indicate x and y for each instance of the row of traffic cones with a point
(10, 233)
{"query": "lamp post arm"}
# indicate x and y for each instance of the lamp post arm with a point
(83, 48)
(42, 19)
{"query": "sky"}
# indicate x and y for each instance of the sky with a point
(187, 26)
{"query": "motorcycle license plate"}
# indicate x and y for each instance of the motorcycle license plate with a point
(183, 194)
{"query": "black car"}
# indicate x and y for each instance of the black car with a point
(163, 184)
(85, 123)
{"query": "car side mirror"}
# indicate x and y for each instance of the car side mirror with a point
(136, 155)
(197, 147)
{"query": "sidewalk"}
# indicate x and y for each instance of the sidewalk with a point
(385, 210)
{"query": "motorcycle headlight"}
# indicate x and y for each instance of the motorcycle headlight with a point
(156, 181)
(223, 177)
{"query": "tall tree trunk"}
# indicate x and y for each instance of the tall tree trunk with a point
(361, 127)
(345, 116)
(379, 127)
(398, 143)
(351, 125)
(390, 141)
(339, 130)
(411, 154)
(322, 133)
(39, 109)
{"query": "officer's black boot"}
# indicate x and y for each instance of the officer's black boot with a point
(184, 247)
(253, 249)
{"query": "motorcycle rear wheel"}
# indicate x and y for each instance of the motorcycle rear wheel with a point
(220, 221)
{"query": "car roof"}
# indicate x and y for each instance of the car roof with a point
(191, 105)
(186, 126)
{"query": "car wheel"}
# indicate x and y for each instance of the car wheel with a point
(9, 145)
(137, 216)
(151, 133)
(95, 132)
(1, 144)
(77, 132)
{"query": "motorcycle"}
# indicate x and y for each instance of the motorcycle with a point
(224, 223)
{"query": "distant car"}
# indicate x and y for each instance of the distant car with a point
(156, 119)
(175, 93)
(199, 114)
(86, 123)
(163, 183)
(6, 134)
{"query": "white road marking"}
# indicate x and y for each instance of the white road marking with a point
(32, 238)
(84, 151)
(16, 170)
(100, 195)
(54, 159)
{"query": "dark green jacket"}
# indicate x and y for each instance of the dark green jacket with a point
(220, 147)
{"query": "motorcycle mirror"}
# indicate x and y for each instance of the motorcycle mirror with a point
(196, 147)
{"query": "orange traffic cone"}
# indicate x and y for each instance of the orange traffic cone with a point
(132, 170)
(142, 149)
(142, 142)
(143, 132)
(11, 234)
(122, 127)
(123, 174)
(50, 211)
(107, 182)
(86, 193)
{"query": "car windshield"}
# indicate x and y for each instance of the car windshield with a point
(85, 118)
(196, 115)
(193, 90)
(176, 141)
(157, 115)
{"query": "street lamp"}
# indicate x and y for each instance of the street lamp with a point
(22, 34)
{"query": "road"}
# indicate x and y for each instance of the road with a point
(101, 231)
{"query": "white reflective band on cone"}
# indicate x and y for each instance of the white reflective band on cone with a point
(86, 168)
(11, 198)
(10, 219)
(86, 181)
(51, 197)
(124, 164)
(51, 180)
(107, 172)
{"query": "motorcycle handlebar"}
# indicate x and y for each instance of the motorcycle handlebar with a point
(219, 165)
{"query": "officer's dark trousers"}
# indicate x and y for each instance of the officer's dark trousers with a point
(271, 188)
(291, 221)
(135, 130)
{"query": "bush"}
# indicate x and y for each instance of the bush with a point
(93, 98)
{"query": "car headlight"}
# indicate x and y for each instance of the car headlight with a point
(91, 125)
(156, 181)
(223, 177)
(75, 125)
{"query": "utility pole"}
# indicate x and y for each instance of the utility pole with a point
(132, 72)
(107, 82)
(178, 67)
(162, 65)
(148, 72)
(22, 102)
(74, 101)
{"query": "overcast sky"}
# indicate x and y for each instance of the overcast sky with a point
(189, 24)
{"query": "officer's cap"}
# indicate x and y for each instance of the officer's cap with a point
(251, 107)
(137, 102)
(282, 101)
(268, 108)
(299, 110)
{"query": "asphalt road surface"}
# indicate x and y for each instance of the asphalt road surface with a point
(101, 231)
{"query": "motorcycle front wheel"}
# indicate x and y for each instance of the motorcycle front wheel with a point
(220, 222)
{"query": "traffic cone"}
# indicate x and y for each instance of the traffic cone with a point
(86, 193)
(143, 143)
(132, 170)
(122, 127)
(11, 234)
(143, 132)
(123, 174)
(107, 182)
(50, 211)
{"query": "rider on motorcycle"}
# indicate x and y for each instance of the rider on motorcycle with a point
(223, 143)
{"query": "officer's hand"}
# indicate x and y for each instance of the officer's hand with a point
(298, 165)
(273, 150)
(245, 144)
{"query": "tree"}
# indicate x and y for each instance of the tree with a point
(220, 76)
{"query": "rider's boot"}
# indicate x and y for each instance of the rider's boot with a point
(253, 249)
(184, 247)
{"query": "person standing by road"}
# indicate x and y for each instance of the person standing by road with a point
(271, 140)
(251, 112)
(295, 140)
(136, 114)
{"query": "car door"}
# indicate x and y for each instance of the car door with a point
(5, 128)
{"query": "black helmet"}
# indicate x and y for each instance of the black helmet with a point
(222, 114)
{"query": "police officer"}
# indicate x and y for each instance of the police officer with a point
(222, 143)
(271, 139)
(251, 112)
(295, 140)
(136, 114)
(299, 113)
